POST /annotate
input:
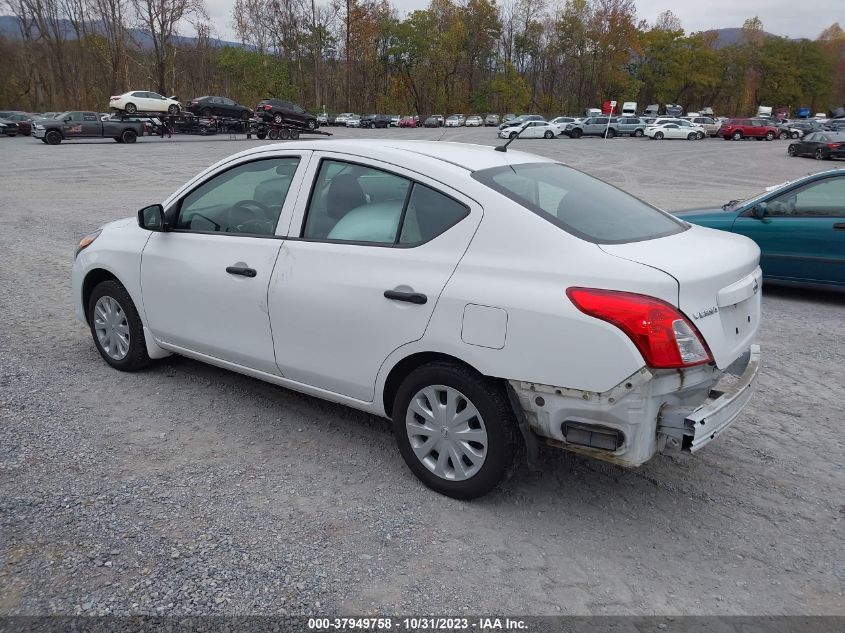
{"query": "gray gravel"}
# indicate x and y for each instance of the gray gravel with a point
(187, 489)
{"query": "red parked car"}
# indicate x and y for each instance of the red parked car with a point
(738, 129)
(408, 121)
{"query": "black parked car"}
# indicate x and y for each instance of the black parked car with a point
(281, 111)
(8, 128)
(23, 119)
(373, 121)
(218, 106)
(819, 145)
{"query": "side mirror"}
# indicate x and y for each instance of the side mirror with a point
(759, 210)
(67, 119)
(151, 218)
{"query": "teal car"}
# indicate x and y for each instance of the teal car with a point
(799, 227)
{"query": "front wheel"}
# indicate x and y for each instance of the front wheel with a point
(576, 133)
(116, 327)
(173, 109)
(794, 135)
(638, 133)
(278, 119)
(819, 155)
(512, 134)
(658, 136)
(455, 429)
(783, 136)
(128, 136)
(312, 124)
(53, 137)
(130, 108)
(737, 136)
(610, 133)
(791, 150)
(692, 136)
(770, 136)
(548, 134)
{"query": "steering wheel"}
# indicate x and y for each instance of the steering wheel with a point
(248, 212)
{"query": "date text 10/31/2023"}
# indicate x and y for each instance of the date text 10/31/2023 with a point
(417, 624)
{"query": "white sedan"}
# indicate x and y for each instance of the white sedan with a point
(675, 130)
(144, 101)
(484, 300)
(456, 120)
(474, 121)
(531, 129)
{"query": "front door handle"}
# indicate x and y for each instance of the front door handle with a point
(411, 297)
(839, 226)
(241, 270)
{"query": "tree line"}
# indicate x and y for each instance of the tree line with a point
(361, 56)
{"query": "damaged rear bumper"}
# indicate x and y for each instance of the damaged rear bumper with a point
(628, 424)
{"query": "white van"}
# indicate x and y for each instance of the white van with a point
(629, 108)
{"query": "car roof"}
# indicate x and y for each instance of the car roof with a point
(414, 155)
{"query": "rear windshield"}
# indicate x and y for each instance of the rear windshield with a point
(580, 204)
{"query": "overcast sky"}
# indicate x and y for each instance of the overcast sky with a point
(792, 19)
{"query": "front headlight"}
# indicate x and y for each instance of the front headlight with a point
(86, 241)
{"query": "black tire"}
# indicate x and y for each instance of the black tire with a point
(312, 124)
(278, 119)
(692, 136)
(129, 136)
(700, 135)
(274, 135)
(130, 108)
(548, 134)
(576, 133)
(737, 136)
(491, 401)
(118, 139)
(783, 136)
(294, 134)
(658, 136)
(173, 109)
(261, 135)
(770, 136)
(284, 134)
(791, 150)
(819, 155)
(372, 126)
(758, 138)
(136, 357)
(205, 112)
(794, 135)
(512, 134)
(638, 133)
(610, 133)
(53, 137)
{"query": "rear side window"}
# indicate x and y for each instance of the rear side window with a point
(355, 203)
(580, 204)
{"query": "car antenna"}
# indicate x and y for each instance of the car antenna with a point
(504, 148)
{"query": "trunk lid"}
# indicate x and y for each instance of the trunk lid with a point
(719, 282)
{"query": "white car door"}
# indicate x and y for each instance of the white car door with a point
(369, 252)
(672, 130)
(204, 281)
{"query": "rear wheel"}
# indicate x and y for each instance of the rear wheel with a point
(312, 124)
(261, 135)
(130, 108)
(770, 136)
(512, 135)
(819, 155)
(284, 134)
(294, 134)
(128, 136)
(173, 109)
(274, 135)
(372, 126)
(658, 136)
(795, 135)
(791, 150)
(576, 133)
(53, 137)
(638, 133)
(548, 134)
(783, 136)
(278, 119)
(116, 327)
(737, 136)
(692, 136)
(701, 136)
(455, 429)
(610, 133)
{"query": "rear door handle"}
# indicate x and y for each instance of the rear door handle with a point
(241, 270)
(410, 297)
(839, 226)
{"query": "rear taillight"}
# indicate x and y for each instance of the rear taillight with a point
(114, 98)
(267, 107)
(834, 145)
(663, 335)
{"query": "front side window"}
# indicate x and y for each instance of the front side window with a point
(355, 203)
(819, 199)
(579, 204)
(245, 199)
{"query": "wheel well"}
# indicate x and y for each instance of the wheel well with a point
(403, 369)
(92, 279)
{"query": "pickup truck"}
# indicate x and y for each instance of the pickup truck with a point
(72, 125)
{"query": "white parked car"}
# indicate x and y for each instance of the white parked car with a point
(474, 121)
(561, 122)
(483, 300)
(343, 117)
(456, 120)
(531, 129)
(144, 101)
(353, 120)
(675, 129)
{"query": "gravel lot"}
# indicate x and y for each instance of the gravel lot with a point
(187, 489)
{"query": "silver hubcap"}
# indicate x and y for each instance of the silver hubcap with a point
(111, 328)
(446, 432)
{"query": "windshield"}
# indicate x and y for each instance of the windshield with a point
(580, 204)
